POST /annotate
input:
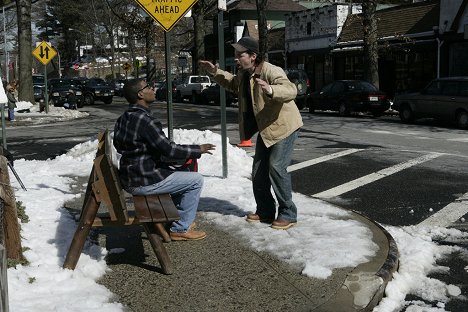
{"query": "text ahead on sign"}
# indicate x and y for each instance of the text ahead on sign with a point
(166, 12)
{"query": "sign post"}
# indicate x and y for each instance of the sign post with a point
(45, 53)
(126, 67)
(222, 92)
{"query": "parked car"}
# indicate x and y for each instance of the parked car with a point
(191, 87)
(444, 98)
(347, 96)
(162, 90)
(96, 89)
(300, 78)
(38, 80)
(38, 93)
(118, 86)
(212, 94)
(65, 92)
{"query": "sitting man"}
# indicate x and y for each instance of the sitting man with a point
(139, 138)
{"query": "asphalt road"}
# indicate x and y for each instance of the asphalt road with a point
(395, 174)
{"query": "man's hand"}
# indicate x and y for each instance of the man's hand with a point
(264, 85)
(206, 148)
(208, 67)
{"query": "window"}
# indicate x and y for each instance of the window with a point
(450, 88)
(434, 88)
(463, 91)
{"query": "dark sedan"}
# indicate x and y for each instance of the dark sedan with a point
(65, 92)
(444, 98)
(347, 96)
(162, 91)
(212, 94)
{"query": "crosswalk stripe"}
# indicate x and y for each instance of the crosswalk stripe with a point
(349, 186)
(449, 214)
(322, 159)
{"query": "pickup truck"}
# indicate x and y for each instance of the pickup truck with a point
(191, 88)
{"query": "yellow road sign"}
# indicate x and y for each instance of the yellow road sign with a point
(166, 12)
(44, 53)
(126, 67)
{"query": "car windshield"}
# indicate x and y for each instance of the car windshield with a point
(360, 86)
(61, 84)
(38, 79)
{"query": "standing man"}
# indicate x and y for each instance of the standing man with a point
(139, 138)
(266, 105)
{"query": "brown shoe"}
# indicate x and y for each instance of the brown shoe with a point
(253, 217)
(282, 224)
(189, 235)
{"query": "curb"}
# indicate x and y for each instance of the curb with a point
(364, 287)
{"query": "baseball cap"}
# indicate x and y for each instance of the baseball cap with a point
(246, 44)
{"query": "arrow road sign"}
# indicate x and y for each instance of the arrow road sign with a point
(44, 53)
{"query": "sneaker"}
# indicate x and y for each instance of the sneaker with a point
(282, 224)
(189, 235)
(253, 218)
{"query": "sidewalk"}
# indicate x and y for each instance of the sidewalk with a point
(220, 273)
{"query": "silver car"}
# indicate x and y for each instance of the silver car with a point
(444, 98)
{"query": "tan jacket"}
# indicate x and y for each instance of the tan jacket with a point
(277, 115)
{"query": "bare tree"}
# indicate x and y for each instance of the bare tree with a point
(23, 8)
(199, 12)
(371, 56)
(262, 27)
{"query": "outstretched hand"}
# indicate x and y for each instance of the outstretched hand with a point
(208, 67)
(206, 148)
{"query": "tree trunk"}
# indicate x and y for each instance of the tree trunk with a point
(371, 56)
(198, 17)
(262, 28)
(10, 217)
(25, 93)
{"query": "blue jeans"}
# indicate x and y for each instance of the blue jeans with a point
(11, 114)
(270, 170)
(185, 188)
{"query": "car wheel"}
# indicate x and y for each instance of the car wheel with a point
(179, 97)
(108, 100)
(343, 110)
(89, 99)
(300, 104)
(311, 108)
(52, 102)
(377, 114)
(406, 114)
(462, 120)
(194, 98)
(203, 100)
(80, 104)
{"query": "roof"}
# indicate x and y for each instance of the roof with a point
(395, 21)
(277, 5)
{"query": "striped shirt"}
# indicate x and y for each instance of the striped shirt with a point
(139, 138)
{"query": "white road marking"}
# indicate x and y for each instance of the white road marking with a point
(322, 159)
(449, 214)
(349, 186)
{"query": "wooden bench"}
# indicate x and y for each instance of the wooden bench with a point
(104, 190)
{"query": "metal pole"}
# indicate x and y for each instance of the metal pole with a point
(167, 40)
(7, 76)
(222, 94)
(3, 277)
(46, 93)
(2, 112)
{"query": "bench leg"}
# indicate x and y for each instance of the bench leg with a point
(161, 230)
(86, 221)
(158, 247)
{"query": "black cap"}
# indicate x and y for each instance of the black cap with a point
(246, 44)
